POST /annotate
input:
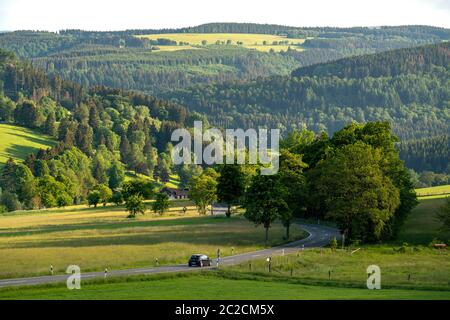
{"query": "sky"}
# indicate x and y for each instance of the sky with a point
(105, 15)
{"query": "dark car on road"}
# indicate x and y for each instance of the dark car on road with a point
(199, 260)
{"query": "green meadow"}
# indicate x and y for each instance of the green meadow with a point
(18, 142)
(436, 192)
(102, 236)
(211, 285)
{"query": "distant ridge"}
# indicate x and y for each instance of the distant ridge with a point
(389, 63)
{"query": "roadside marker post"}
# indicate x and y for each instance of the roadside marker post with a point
(51, 269)
(269, 260)
(106, 272)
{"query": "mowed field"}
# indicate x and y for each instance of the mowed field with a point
(436, 192)
(248, 40)
(17, 142)
(104, 237)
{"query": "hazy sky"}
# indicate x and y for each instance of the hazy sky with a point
(130, 14)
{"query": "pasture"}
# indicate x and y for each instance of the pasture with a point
(17, 142)
(422, 226)
(207, 286)
(436, 192)
(103, 237)
(410, 267)
(260, 42)
(408, 262)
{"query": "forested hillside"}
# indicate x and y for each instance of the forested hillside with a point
(388, 64)
(427, 154)
(123, 60)
(408, 87)
(101, 133)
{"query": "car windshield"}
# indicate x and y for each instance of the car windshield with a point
(194, 257)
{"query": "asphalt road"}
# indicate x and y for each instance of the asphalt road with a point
(319, 236)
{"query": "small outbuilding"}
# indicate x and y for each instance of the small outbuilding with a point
(175, 194)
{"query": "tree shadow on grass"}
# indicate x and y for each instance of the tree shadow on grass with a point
(202, 235)
(129, 223)
(20, 151)
(17, 151)
(45, 142)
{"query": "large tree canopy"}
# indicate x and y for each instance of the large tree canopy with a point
(355, 192)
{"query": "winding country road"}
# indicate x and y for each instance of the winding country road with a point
(319, 236)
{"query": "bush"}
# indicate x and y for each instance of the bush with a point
(64, 200)
(135, 204)
(10, 201)
(105, 193)
(117, 198)
(161, 203)
(94, 198)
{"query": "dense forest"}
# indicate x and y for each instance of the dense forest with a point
(411, 92)
(119, 59)
(101, 134)
(427, 154)
(393, 63)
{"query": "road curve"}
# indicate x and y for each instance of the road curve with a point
(319, 236)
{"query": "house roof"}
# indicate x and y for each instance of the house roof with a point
(176, 192)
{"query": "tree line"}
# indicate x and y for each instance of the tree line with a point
(354, 178)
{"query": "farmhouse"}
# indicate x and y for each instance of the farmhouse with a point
(176, 193)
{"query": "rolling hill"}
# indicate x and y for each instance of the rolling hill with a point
(406, 87)
(153, 61)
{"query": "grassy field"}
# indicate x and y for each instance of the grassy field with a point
(174, 48)
(437, 191)
(422, 226)
(415, 268)
(104, 237)
(207, 287)
(174, 180)
(17, 142)
(250, 41)
(101, 237)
